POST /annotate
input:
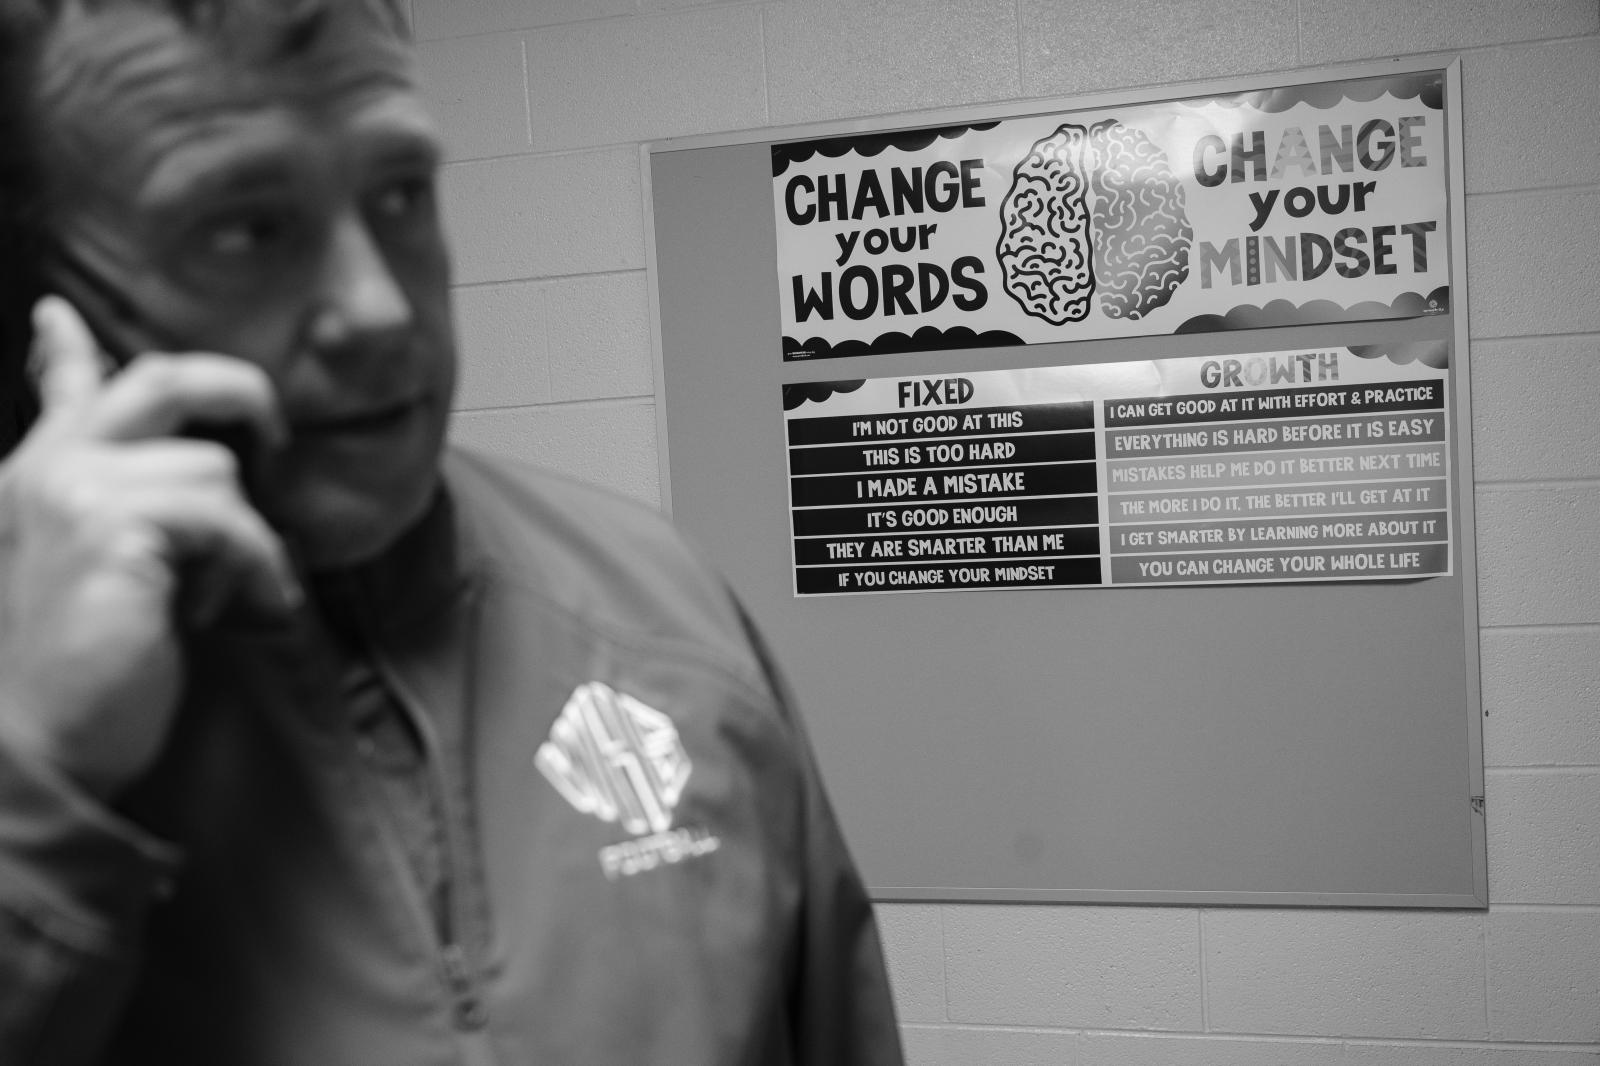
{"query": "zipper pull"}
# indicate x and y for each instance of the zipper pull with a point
(469, 1011)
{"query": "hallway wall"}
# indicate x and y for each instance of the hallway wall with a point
(545, 104)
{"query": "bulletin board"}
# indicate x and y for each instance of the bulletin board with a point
(1100, 472)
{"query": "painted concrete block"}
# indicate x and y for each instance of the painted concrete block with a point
(913, 946)
(648, 6)
(1544, 976)
(504, 357)
(1532, 115)
(1533, 402)
(1541, 692)
(1340, 29)
(1536, 554)
(599, 331)
(1135, 968)
(952, 1046)
(1544, 836)
(1104, 44)
(1534, 262)
(611, 445)
(628, 80)
(1127, 1049)
(476, 90)
(459, 18)
(836, 58)
(1425, 1055)
(545, 216)
(1345, 973)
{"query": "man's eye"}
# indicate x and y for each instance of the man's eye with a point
(246, 233)
(403, 198)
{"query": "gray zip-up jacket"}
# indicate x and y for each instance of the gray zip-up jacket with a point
(625, 857)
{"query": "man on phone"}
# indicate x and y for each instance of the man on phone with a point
(320, 743)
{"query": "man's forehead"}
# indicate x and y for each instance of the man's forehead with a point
(123, 84)
(241, 27)
(254, 37)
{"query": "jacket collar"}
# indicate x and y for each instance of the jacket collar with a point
(424, 573)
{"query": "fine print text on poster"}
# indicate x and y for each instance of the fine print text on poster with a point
(1321, 465)
(1304, 204)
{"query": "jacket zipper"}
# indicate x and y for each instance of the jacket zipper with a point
(468, 1010)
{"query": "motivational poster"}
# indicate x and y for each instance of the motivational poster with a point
(1322, 465)
(1313, 203)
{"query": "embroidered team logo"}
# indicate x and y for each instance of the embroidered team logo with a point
(611, 756)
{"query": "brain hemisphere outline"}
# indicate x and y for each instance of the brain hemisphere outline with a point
(1046, 261)
(1096, 208)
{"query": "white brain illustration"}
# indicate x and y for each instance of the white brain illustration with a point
(1096, 208)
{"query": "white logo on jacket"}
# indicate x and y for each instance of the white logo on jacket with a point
(619, 759)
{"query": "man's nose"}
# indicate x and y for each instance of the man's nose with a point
(358, 297)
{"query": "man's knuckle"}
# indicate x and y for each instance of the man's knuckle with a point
(155, 370)
(79, 499)
(219, 462)
(149, 380)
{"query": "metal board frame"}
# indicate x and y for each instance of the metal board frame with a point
(874, 812)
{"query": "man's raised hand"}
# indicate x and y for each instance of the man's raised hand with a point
(116, 535)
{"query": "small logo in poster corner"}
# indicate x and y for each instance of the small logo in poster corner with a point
(620, 760)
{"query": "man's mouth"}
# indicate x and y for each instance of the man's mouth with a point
(361, 420)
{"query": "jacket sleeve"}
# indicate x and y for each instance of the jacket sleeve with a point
(841, 1005)
(76, 884)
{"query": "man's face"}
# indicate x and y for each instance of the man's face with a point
(277, 206)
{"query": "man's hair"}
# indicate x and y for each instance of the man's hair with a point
(277, 29)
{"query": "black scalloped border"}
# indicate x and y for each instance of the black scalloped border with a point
(1434, 353)
(868, 144)
(1317, 312)
(800, 392)
(926, 339)
(1241, 317)
(1424, 86)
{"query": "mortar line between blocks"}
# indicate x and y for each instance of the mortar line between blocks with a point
(543, 325)
(766, 68)
(540, 279)
(1566, 624)
(1506, 338)
(1016, 9)
(1538, 190)
(1541, 483)
(592, 401)
(1214, 1038)
(527, 92)
(1471, 1045)
(1488, 962)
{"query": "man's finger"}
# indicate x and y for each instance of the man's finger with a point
(187, 494)
(65, 361)
(239, 554)
(159, 394)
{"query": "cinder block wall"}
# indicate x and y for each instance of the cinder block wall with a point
(545, 103)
